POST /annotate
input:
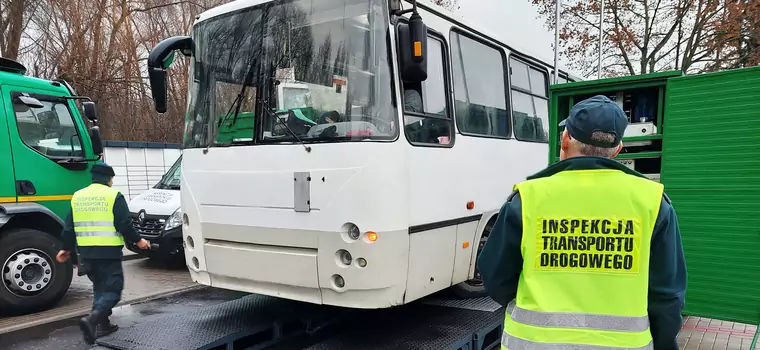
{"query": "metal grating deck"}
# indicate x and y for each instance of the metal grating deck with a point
(477, 304)
(420, 326)
(251, 322)
(258, 322)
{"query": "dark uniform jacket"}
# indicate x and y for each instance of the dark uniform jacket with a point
(123, 225)
(501, 261)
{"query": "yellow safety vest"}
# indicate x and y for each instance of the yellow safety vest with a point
(92, 210)
(585, 276)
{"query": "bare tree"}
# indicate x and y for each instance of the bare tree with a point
(737, 41)
(640, 36)
(100, 47)
(450, 5)
(14, 18)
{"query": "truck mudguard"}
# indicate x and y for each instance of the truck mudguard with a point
(8, 210)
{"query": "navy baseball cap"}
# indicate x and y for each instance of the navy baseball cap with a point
(101, 168)
(597, 113)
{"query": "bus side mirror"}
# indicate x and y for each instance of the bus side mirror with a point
(158, 79)
(418, 32)
(89, 111)
(159, 60)
(412, 47)
(97, 141)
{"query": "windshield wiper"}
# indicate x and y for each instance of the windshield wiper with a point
(272, 114)
(237, 104)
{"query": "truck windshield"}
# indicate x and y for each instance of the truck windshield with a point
(170, 180)
(320, 66)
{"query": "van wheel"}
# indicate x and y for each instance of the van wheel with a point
(474, 288)
(30, 278)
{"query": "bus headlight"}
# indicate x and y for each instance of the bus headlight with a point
(175, 220)
(353, 232)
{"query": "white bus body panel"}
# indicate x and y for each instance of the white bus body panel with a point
(239, 204)
(247, 235)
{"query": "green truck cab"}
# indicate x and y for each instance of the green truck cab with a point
(46, 151)
(698, 135)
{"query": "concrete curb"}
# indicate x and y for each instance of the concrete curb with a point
(80, 312)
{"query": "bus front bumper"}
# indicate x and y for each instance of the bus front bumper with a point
(371, 275)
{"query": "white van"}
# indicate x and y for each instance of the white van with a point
(157, 216)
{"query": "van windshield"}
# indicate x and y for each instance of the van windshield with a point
(170, 180)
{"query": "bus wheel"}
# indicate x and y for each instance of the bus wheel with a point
(474, 288)
(30, 279)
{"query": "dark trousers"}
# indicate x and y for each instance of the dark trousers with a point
(107, 276)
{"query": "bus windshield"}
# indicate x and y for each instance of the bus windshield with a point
(319, 66)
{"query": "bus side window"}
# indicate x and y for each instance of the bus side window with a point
(479, 88)
(426, 110)
(530, 102)
(560, 79)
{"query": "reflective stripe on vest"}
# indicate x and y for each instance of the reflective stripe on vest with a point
(569, 320)
(92, 212)
(584, 281)
(514, 343)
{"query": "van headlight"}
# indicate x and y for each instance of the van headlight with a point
(175, 220)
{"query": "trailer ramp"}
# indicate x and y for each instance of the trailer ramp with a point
(251, 322)
(262, 322)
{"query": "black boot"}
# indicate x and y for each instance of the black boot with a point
(105, 328)
(88, 325)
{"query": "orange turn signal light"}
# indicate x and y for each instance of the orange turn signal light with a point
(470, 205)
(371, 236)
(465, 244)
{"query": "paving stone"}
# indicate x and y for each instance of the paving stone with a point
(700, 333)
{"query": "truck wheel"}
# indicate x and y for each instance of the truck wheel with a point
(30, 278)
(474, 288)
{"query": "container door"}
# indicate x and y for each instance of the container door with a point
(46, 142)
(711, 171)
(7, 179)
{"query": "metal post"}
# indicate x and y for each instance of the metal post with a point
(556, 43)
(601, 35)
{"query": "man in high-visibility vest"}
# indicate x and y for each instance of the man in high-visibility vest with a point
(586, 254)
(97, 225)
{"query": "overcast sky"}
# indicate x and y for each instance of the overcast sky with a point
(509, 17)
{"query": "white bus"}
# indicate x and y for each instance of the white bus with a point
(372, 204)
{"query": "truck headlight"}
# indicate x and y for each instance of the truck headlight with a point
(175, 220)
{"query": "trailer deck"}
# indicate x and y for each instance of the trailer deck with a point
(261, 322)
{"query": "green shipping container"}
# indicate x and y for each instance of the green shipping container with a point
(700, 136)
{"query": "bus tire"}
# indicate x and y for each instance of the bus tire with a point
(474, 288)
(50, 280)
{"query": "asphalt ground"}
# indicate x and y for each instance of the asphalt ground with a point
(144, 279)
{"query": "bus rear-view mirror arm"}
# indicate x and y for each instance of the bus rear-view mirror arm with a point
(159, 60)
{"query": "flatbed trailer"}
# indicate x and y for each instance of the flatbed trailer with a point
(263, 322)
